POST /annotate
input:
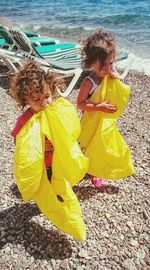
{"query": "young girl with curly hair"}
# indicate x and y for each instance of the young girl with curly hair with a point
(48, 160)
(33, 89)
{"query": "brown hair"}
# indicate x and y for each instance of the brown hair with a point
(97, 46)
(30, 79)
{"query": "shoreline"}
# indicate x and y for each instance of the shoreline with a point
(116, 217)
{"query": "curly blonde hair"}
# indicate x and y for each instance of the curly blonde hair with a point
(28, 80)
(97, 46)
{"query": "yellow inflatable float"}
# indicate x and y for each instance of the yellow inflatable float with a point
(109, 155)
(60, 124)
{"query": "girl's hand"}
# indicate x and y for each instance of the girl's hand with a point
(107, 107)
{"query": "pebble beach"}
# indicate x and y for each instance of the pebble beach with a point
(117, 217)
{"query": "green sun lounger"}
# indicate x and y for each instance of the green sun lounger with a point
(17, 41)
(66, 55)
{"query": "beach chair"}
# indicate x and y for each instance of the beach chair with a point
(68, 52)
(64, 56)
(16, 40)
(65, 61)
(53, 53)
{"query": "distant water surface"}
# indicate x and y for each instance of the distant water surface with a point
(72, 20)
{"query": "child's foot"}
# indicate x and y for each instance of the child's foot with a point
(98, 182)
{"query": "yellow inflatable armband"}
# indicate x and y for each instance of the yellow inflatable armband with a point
(109, 156)
(60, 124)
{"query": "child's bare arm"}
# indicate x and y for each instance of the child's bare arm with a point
(106, 106)
(85, 89)
(83, 104)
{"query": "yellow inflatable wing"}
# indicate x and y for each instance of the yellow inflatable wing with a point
(56, 199)
(108, 153)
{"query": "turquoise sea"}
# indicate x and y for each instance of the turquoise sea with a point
(72, 20)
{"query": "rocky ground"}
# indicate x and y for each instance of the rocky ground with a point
(117, 217)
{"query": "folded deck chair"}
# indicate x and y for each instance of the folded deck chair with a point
(65, 58)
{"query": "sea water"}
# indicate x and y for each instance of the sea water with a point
(72, 20)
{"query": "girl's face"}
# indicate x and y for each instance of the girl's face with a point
(39, 101)
(106, 68)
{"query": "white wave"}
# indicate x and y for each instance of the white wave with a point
(89, 28)
(36, 27)
(135, 63)
(74, 27)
